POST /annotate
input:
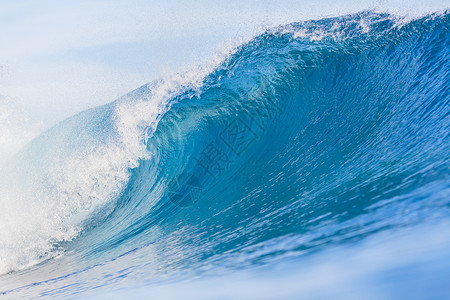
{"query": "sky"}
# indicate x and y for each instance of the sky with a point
(58, 58)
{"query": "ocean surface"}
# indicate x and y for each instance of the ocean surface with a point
(308, 162)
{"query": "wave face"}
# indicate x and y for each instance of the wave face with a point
(310, 136)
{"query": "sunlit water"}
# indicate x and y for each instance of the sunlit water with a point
(316, 154)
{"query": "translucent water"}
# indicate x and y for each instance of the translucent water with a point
(315, 154)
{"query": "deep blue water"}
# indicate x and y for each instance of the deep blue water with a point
(312, 162)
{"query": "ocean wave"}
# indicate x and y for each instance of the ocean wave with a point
(308, 135)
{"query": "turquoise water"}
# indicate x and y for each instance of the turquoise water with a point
(314, 155)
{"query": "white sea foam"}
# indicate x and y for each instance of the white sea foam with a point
(69, 174)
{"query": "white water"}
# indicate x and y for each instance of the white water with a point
(77, 169)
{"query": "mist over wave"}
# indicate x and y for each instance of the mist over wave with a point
(16, 128)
